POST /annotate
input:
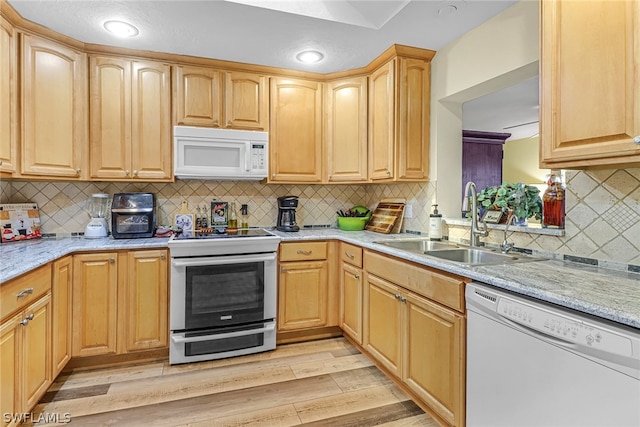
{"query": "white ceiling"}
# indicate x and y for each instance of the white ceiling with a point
(349, 33)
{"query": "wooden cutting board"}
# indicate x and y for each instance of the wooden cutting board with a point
(385, 217)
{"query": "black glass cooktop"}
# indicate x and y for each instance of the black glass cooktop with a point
(222, 233)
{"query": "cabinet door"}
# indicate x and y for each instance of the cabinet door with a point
(36, 352)
(434, 358)
(295, 154)
(8, 97)
(246, 101)
(383, 323)
(54, 119)
(10, 360)
(110, 117)
(590, 83)
(61, 304)
(302, 295)
(95, 292)
(198, 96)
(145, 313)
(346, 130)
(381, 122)
(351, 301)
(151, 139)
(413, 119)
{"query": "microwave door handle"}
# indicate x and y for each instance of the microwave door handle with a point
(180, 339)
(196, 262)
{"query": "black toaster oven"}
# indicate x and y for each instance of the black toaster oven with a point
(133, 215)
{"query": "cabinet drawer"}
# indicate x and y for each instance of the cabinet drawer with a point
(303, 251)
(351, 254)
(18, 293)
(437, 286)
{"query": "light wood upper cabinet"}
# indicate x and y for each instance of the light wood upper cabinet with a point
(130, 120)
(215, 98)
(197, 99)
(381, 123)
(246, 100)
(54, 113)
(346, 130)
(590, 83)
(61, 309)
(144, 303)
(399, 114)
(95, 299)
(414, 97)
(295, 138)
(8, 98)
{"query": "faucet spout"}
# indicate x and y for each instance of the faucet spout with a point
(471, 192)
(505, 246)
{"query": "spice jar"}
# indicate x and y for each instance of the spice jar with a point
(553, 201)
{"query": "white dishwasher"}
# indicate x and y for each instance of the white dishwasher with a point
(535, 364)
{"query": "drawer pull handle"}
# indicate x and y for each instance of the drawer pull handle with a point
(348, 255)
(301, 252)
(27, 291)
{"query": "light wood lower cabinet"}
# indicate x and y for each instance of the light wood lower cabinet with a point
(95, 299)
(351, 290)
(144, 304)
(25, 341)
(120, 302)
(61, 305)
(416, 339)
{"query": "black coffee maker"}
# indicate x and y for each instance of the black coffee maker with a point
(287, 213)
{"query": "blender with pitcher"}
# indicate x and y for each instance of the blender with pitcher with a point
(97, 206)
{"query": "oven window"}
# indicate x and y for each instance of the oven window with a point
(132, 223)
(221, 295)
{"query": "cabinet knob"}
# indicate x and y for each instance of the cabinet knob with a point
(126, 172)
(228, 122)
(29, 317)
(396, 296)
(135, 172)
(25, 292)
(0, 162)
(24, 322)
(357, 276)
(163, 256)
(636, 139)
(112, 260)
(78, 171)
(283, 270)
(388, 172)
(403, 299)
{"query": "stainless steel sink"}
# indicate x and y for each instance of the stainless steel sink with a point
(417, 245)
(474, 256)
(464, 255)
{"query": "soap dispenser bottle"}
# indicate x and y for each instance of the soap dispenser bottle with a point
(435, 224)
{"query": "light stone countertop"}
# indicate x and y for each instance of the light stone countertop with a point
(609, 294)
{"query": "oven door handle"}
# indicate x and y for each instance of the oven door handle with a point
(241, 259)
(180, 339)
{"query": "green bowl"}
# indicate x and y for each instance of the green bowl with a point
(349, 223)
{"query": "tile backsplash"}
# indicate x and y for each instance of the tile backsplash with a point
(603, 207)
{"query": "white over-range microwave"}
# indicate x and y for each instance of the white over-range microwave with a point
(222, 154)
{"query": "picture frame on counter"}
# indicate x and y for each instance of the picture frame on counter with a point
(492, 217)
(184, 221)
(219, 214)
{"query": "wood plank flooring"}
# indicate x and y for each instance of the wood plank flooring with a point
(318, 383)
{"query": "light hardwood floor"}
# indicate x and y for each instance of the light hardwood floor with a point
(318, 383)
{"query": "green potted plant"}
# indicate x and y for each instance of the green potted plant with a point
(524, 200)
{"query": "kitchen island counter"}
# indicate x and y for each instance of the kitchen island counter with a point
(610, 294)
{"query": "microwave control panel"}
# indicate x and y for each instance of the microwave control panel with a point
(258, 156)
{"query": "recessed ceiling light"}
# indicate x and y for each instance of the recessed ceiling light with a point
(309, 56)
(121, 29)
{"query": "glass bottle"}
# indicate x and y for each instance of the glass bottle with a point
(553, 201)
(198, 220)
(232, 225)
(204, 221)
(244, 211)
